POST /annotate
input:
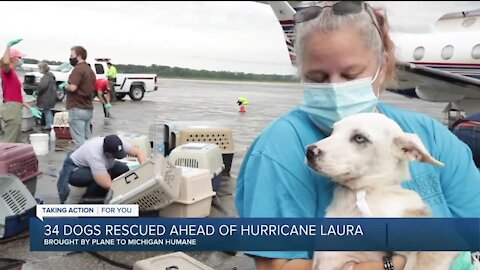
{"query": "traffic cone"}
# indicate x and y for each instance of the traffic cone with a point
(243, 108)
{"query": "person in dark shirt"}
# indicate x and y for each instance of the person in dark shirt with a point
(79, 88)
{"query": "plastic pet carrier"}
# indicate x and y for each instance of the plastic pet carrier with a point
(20, 160)
(61, 126)
(221, 136)
(171, 134)
(16, 205)
(152, 186)
(202, 156)
(140, 141)
(172, 261)
(195, 198)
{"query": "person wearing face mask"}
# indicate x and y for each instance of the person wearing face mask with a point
(344, 57)
(94, 165)
(12, 94)
(46, 94)
(79, 88)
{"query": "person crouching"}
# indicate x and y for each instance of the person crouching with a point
(104, 94)
(94, 166)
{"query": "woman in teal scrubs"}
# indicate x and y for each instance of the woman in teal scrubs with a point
(345, 56)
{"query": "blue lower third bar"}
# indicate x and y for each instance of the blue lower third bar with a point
(254, 234)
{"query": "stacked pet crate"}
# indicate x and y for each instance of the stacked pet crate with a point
(166, 135)
(17, 204)
(202, 156)
(221, 136)
(195, 197)
(20, 160)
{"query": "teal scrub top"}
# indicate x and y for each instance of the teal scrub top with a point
(274, 180)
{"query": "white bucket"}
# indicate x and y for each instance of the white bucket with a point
(39, 142)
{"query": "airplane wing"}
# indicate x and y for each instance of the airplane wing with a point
(431, 83)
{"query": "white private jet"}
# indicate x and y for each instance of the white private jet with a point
(441, 66)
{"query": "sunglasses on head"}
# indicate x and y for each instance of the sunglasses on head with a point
(339, 8)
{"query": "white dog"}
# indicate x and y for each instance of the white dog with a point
(367, 155)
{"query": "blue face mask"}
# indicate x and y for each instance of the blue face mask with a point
(327, 103)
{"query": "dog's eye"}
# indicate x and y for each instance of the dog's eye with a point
(359, 138)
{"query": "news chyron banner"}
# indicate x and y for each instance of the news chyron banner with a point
(118, 228)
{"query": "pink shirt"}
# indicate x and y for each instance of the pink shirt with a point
(12, 87)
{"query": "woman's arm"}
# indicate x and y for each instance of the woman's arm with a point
(399, 262)
(297, 264)
(6, 60)
(6, 55)
(100, 97)
(282, 264)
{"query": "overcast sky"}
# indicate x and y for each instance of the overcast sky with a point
(231, 36)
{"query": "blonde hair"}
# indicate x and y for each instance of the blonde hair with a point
(43, 66)
(362, 22)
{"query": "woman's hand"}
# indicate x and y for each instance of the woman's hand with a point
(399, 263)
(11, 43)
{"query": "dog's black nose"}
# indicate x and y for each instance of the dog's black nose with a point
(312, 152)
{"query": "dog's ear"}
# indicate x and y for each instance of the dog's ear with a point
(408, 146)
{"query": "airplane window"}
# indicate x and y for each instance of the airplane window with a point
(476, 52)
(419, 53)
(447, 52)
